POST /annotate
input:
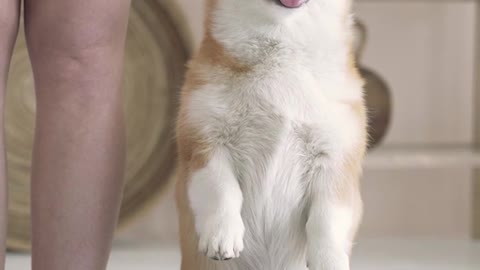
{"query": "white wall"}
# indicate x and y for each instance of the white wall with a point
(425, 51)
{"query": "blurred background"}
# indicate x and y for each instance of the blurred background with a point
(421, 60)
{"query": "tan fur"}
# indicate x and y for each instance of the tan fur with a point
(193, 150)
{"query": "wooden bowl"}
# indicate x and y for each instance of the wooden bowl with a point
(377, 93)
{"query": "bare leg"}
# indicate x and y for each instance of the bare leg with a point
(76, 48)
(9, 16)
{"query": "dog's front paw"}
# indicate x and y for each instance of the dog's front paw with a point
(221, 238)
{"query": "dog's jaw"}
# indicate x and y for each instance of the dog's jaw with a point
(244, 29)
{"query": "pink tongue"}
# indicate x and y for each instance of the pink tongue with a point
(293, 3)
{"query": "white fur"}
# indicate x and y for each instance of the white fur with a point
(216, 200)
(280, 134)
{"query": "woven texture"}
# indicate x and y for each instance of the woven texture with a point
(155, 59)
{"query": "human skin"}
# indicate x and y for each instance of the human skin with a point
(76, 49)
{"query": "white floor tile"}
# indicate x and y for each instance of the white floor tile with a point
(368, 255)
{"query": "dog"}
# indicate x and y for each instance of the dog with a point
(271, 135)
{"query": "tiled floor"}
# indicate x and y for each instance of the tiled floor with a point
(369, 255)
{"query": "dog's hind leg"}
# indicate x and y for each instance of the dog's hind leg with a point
(333, 219)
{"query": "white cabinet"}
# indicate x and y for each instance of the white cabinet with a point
(425, 51)
(419, 183)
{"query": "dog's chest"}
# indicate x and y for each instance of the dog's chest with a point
(281, 112)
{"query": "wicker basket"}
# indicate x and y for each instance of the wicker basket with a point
(157, 49)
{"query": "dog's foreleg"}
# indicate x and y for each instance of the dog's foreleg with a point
(216, 201)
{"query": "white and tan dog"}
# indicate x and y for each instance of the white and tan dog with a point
(271, 137)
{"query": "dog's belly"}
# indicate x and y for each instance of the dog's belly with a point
(275, 191)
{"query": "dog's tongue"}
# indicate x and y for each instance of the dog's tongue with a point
(292, 3)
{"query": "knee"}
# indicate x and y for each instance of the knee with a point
(85, 76)
(76, 57)
(79, 79)
(72, 56)
(75, 49)
(83, 68)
